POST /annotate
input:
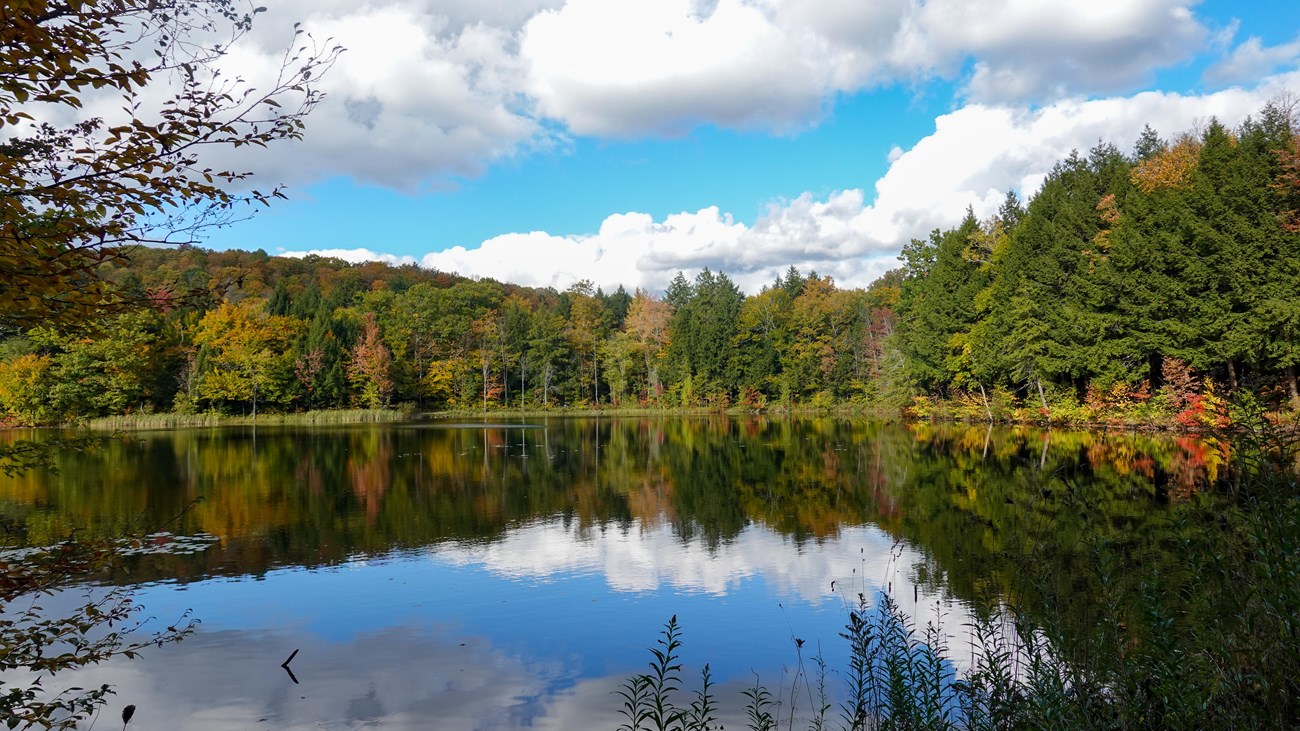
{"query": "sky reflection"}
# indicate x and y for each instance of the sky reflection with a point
(535, 630)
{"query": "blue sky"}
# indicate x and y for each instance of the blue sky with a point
(545, 141)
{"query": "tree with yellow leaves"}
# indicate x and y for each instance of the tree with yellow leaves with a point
(248, 355)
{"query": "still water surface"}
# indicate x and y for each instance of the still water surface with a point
(498, 576)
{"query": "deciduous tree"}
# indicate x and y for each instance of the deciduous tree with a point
(249, 354)
(647, 321)
(370, 365)
(77, 195)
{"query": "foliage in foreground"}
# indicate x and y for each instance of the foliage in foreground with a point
(80, 193)
(36, 646)
(1211, 642)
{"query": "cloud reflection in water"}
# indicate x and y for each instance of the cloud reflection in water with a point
(535, 630)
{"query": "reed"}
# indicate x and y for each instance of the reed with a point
(143, 422)
(846, 410)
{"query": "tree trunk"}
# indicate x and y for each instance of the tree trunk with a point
(1291, 387)
(1232, 376)
(649, 376)
(987, 409)
(419, 372)
(1042, 397)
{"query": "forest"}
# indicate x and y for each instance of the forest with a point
(1143, 286)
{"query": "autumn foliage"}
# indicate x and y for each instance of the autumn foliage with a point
(78, 196)
(1287, 185)
(369, 365)
(1169, 168)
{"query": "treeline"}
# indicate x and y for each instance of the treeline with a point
(237, 332)
(1143, 283)
(1125, 277)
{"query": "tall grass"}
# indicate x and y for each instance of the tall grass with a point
(855, 410)
(308, 418)
(1209, 640)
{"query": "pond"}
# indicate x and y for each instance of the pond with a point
(512, 575)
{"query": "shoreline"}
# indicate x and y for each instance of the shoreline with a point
(321, 417)
(341, 417)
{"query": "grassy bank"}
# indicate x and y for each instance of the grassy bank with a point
(1063, 413)
(843, 410)
(1193, 411)
(140, 422)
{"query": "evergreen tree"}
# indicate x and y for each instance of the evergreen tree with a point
(704, 330)
(937, 301)
(319, 361)
(1062, 246)
(281, 303)
(1148, 144)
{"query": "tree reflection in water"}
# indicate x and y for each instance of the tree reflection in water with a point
(678, 513)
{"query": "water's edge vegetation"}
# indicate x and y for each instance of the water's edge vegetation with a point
(933, 410)
(186, 421)
(1212, 642)
(956, 411)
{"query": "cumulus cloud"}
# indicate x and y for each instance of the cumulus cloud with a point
(973, 157)
(631, 67)
(430, 92)
(433, 91)
(425, 92)
(635, 67)
(634, 250)
(1252, 60)
(356, 256)
(1026, 50)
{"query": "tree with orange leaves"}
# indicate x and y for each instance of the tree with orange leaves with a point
(370, 365)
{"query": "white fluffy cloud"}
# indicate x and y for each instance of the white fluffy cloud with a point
(974, 156)
(356, 256)
(1027, 50)
(632, 67)
(425, 92)
(430, 91)
(1252, 59)
(634, 250)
